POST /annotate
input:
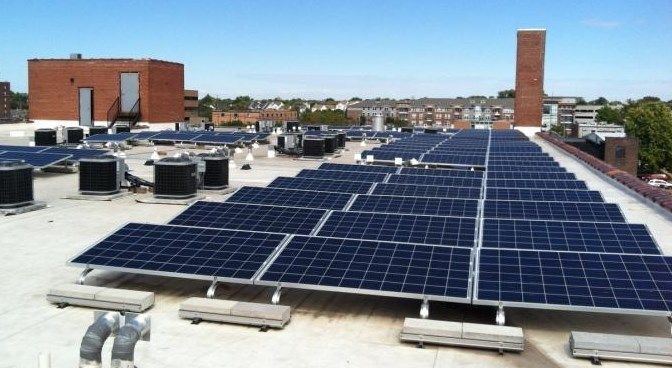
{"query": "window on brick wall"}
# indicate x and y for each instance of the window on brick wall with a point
(620, 152)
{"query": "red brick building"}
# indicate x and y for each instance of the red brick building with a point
(89, 92)
(530, 77)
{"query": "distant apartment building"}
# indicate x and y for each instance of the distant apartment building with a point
(580, 130)
(228, 117)
(557, 110)
(191, 105)
(250, 117)
(437, 111)
(585, 114)
(5, 101)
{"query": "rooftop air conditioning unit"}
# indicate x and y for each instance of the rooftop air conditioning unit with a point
(175, 178)
(16, 184)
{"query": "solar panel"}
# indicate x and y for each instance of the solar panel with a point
(531, 175)
(22, 148)
(342, 175)
(390, 156)
(442, 172)
(321, 185)
(537, 184)
(289, 197)
(418, 206)
(522, 167)
(561, 211)
(568, 236)
(575, 281)
(104, 138)
(449, 231)
(38, 160)
(477, 160)
(543, 195)
(181, 251)
(216, 139)
(521, 161)
(435, 181)
(408, 190)
(369, 267)
(251, 217)
(143, 136)
(76, 153)
(175, 136)
(358, 168)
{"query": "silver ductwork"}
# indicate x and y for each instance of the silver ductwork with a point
(135, 329)
(378, 123)
(92, 343)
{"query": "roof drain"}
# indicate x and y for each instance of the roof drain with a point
(123, 350)
(94, 338)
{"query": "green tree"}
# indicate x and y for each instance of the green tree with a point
(651, 123)
(507, 93)
(396, 122)
(335, 117)
(599, 101)
(610, 115)
(18, 100)
(581, 101)
(558, 129)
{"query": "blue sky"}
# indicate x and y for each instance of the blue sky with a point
(317, 49)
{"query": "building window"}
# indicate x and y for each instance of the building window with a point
(620, 152)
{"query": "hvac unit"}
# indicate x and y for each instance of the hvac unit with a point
(16, 184)
(74, 135)
(313, 147)
(175, 178)
(264, 126)
(291, 126)
(209, 126)
(45, 137)
(299, 140)
(97, 130)
(313, 127)
(216, 175)
(99, 175)
(407, 130)
(288, 141)
(340, 140)
(330, 144)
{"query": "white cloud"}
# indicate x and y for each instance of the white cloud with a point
(600, 23)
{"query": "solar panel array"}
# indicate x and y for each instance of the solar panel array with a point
(44, 156)
(198, 137)
(495, 221)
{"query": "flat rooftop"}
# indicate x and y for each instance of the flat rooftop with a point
(327, 329)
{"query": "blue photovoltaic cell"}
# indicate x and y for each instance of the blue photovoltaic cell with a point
(35, 159)
(407, 190)
(523, 167)
(454, 159)
(370, 267)
(184, 251)
(143, 136)
(418, 206)
(321, 185)
(543, 195)
(289, 197)
(521, 161)
(435, 180)
(250, 217)
(358, 168)
(568, 236)
(22, 148)
(576, 280)
(449, 231)
(76, 154)
(531, 175)
(104, 138)
(537, 184)
(175, 136)
(389, 156)
(342, 175)
(216, 139)
(441, 172)
(561, 211)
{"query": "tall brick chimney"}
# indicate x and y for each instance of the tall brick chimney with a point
(529, 77)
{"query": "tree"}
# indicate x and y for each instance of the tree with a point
(581, 101)
(651, 123)
(609, 115)
(355, 99)
(396, 122)
(507, 93)
(558, 129)
(18, 100)
(599, 101)
(324, 117)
